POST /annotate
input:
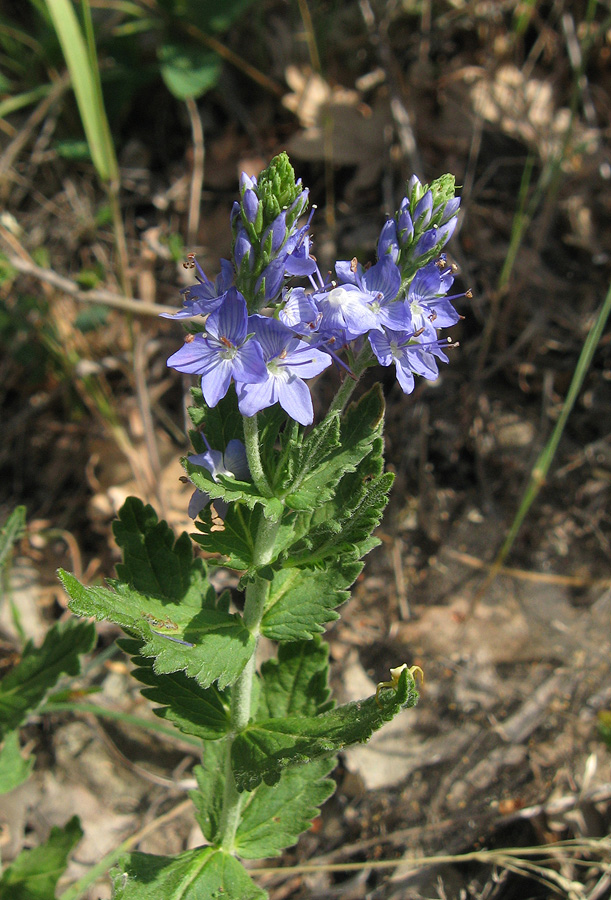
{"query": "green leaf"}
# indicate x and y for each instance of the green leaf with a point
(273, 817)
(359, 427)
(321, 441)
(208, 800)
(188, 70)
(25, 687)
(166, 600)
(301, 601)
(221, 424)
(211, 645)
(14, 769)
(344, 530)
(203, 712)
(296, 682)
(267, 747)
(235, 540)
(34, 873)
(153, 562)
(201, 874)
(11, 532)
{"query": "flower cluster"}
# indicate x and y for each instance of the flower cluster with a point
(269, 337)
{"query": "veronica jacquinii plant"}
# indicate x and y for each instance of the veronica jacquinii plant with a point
(291, 509)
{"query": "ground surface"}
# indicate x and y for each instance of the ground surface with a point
(503, 749)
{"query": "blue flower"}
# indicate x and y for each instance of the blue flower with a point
(225, 352)
(428, 305)
(232, 462)
(410, 356)
(380, 284)
(203, 298)
(345, 313)
(288, 361)
(299, 312)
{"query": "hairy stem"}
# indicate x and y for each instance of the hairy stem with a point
(251, 442)
(362, 362)
(241, 692)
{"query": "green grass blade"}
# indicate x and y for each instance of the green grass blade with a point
(26, 98)
(170, 731)
(85, 83)
(541, 467)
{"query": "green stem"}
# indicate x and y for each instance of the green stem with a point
(346, 388)
(251, 442)
(241, 692)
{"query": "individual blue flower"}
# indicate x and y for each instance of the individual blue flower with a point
(380, 284)
(345, 313)
(409, 355)
(203, 298)
(226, 351)
(299, 312)
(426, 300)
(232, 462)
(288, 361)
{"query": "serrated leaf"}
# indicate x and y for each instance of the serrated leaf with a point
(203, 712)
(201, 874)
(14, 769)
(302, 601)
(210, 646)
(234, 540)
(154, 562)
(208, 799)
(344, 531)
(273, 817)
(266, 748)
(231, 491)
(34, 874)
(221, 424)
(296, 683)
(359, 428)
(25, 687)
(312, 451)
